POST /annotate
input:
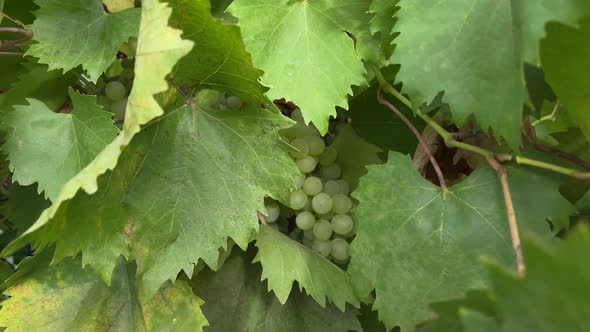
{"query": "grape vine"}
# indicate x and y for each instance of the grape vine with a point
(294, 165)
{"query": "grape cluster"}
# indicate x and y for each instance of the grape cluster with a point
(213, 99)
(320, 205)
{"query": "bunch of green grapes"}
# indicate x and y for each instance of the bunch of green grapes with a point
(113, 90)
(217, 100)
(321, 204)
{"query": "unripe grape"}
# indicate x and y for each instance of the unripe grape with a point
(312, 186)
(234, 102)
(208, 98)
(321, 203)
(342, 224)
(331, 172)
(299, 180)
(302, 148)
(344, 187)
(115, 91)
(339, 249)
(305, 220)
(328, 157)
(322, 230)
(316, 145)
(306, 164)
(297, 200)
(322, 247)
(273, 211)
(341, 204)
(118, 108)
(331, 187)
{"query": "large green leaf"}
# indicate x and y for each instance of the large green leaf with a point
(476, 55)
(224, 65)
(564, 53)
(64, 297)
(429, 241)
(285, 261)
(159, 49)
(237, 289)
(78, 32)
(50, 148)
(186, 183)
(553, 296)
(304, 51)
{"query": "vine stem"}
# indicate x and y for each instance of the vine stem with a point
(27, 35)
(452, 142)
(261, 218)
(439, 174)
(582, 163)
(515, 237)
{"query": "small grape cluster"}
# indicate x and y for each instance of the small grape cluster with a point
(321, 205)
(213, 99)
(113, 91)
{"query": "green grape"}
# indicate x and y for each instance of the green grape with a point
(344, 187)
(297, 200)
(306, 164)
(340, 261)
(302, 148)
(341, 204)
(342, 224)
(299, 180)
(127, 74)
(331, 187)
(322, 247)
(305, 220)
(322, 230)
(339, 249)
(312, 186)
(208, 98)
(297, 116)
(316, 145)
(234, 102)
(273, 211)
(115, 91)
(321, 203)
(222, 107)
(328, 157)
(308, 234)
(301, 130)
(118, 108)
(331, 172)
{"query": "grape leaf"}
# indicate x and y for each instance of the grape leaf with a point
(564, 54)
(305, 53)
(64, 297)
(429, 241)
(475, 321)
(35, 82)
(237, 289)
(553, 296)
(84, 34)
(50, 148)
(448, 312)
(382, 23)
(159, 48)
(23, 207)
(187, 182)
(470, 55)
(284, 261)
(354, 154)
(225, 65)
(119, 5)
